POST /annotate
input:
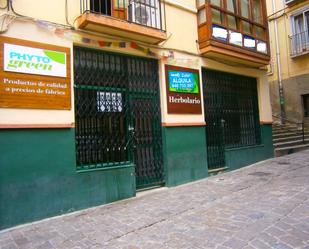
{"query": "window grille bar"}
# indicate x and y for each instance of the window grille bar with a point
(299, 43)
(231, 113)
(147, 13)
(113, 93)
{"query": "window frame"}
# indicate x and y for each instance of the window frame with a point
(239, 26)
(298, 45)
(298, 13)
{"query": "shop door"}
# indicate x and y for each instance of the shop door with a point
(231, 114)
(117, 114)
(147, 141)
(213, 102)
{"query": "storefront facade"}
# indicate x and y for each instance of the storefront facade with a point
(118, 115)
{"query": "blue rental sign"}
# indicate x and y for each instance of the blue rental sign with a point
(183, 82)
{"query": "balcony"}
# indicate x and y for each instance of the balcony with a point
(299, 44)
(234, 31)
(140, 20)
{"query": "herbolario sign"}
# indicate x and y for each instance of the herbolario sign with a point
(183, 90)
(34, 75)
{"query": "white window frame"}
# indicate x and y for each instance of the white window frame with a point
(304, 43)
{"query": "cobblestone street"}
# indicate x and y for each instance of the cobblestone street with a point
(261, 206)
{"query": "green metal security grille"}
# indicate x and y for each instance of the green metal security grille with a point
(117, 113)
(231, 114)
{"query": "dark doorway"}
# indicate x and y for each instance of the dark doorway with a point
(305, 99)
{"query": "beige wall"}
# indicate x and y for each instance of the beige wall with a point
(53, 11)
(260, 75)
(263, 86)
(181, 26)
(29, 31)
(290, 67)
(182, 36)
(294, 71)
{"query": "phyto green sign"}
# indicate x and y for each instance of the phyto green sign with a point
(29, 60)
(183, 82)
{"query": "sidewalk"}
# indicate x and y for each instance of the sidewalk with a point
(261, 206)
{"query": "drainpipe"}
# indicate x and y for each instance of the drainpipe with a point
(281, 96)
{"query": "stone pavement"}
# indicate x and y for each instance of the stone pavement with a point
(262, 206)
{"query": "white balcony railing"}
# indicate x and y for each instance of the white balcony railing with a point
(150, 13)
(299, 43)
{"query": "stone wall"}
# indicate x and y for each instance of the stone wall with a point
(293, 89)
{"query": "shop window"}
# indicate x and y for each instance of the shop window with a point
(109, 102)
(117, 110)
(236, 119)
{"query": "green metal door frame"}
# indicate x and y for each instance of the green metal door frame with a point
(112, 91)
(231, 114)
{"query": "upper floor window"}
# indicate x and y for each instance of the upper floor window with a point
(301, 22)
(237, 22)
(144, 12)
(300, 36)
(244, 6)
(231, 5)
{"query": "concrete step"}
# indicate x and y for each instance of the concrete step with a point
(286, 131)
(289, 138)
(286, 126)
(279, 127)
(288, 134)
(289, 150)
(291, 143)
(291, 131)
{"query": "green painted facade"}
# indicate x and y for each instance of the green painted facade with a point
(185, 157)
(243, 156)
(38, 177)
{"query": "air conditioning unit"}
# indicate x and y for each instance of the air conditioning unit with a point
(145, 14)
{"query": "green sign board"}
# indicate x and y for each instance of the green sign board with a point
(183, 90)
(183, 82)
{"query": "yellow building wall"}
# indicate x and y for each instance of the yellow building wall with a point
(11, 116)
(182, 35)
(181, 26)
(290, 67)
